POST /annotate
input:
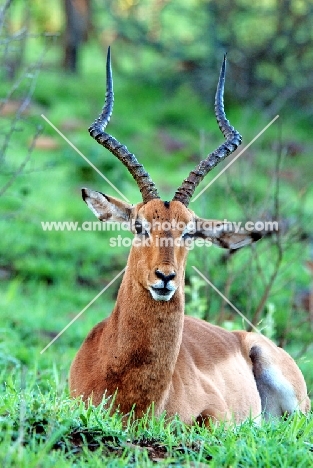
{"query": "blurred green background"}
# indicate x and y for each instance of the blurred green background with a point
(166, 57)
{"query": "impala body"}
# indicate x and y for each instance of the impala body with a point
(148, 351)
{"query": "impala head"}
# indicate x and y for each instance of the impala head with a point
(163, 230)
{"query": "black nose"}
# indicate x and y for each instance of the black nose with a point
(165, 278)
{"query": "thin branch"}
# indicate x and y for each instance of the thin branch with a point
(227, 289)
(26, 159)
(23, 34)
(3, 11)
(277, 236)
(25, 103)
(306, 347)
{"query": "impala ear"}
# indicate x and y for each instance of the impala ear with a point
(226, 235)
(234, 241)
(107, 208)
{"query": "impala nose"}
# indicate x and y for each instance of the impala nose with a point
(166, 278)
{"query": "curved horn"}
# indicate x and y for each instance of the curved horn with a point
(233, 140)
(147, 187)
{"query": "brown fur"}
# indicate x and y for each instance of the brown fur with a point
(148, 352)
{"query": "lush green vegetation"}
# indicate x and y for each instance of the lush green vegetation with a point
(48, 429)
(47, 278)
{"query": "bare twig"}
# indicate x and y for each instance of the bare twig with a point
(305, 348)
(277, 236)
(25, 103)
(25, 161)
(34, 70)
(3, 11)
(227, 287)
(23, 33)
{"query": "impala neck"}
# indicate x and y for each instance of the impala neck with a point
(147, 336)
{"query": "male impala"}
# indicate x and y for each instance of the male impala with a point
(148, 351)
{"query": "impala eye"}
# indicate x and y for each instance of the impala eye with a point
(140, 229)
(187, 235)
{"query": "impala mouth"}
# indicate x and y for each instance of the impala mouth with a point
(162, 294)
(162, 291)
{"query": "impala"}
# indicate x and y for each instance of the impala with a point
(148, 351)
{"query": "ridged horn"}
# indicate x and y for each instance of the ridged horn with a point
(233, 140)
(146, 185)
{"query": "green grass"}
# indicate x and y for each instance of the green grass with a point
(46, 278)
(41, 426)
